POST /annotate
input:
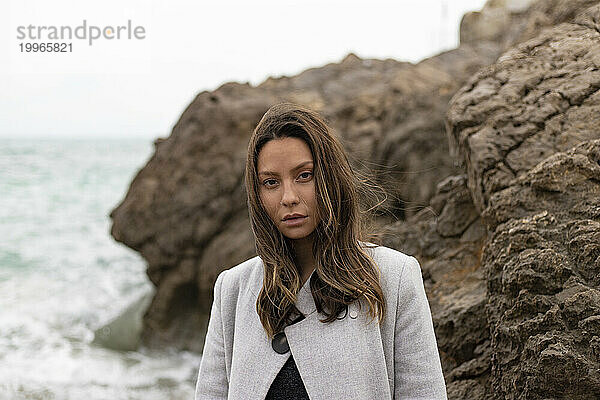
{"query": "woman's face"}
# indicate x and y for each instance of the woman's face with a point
(287, 186)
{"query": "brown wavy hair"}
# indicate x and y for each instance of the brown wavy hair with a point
(344, 272)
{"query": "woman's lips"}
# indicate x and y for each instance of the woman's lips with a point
(295, 221)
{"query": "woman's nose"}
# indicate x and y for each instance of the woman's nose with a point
(289, 196)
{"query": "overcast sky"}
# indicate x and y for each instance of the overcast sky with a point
(139, 87)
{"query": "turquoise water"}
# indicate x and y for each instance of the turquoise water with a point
(62, 276)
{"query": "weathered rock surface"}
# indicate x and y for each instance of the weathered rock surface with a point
(543, 271)
(541, 97)
(447, 238)
(527, 129)
(508, 22)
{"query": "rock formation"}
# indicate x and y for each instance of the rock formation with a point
(505, 220)
(527, 128)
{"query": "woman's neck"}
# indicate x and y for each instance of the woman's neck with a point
(304, 257)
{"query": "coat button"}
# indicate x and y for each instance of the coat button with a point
(353, 313)
(280, 343)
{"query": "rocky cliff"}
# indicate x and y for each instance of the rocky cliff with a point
(494, 167)
(527, 128)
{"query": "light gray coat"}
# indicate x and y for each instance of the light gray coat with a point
(345, 359)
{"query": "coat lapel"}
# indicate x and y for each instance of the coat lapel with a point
(338, 360)
(254, 363)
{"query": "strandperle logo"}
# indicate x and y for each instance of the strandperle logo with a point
(82, 32)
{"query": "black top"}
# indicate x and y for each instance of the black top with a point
(288, 384)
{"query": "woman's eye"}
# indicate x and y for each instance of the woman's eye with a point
(272, 182)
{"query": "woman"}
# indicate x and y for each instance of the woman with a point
(298, 320)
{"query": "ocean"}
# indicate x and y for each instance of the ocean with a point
(65, 283)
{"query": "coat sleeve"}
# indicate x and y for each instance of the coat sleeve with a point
(212, 380)
(417, 366)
